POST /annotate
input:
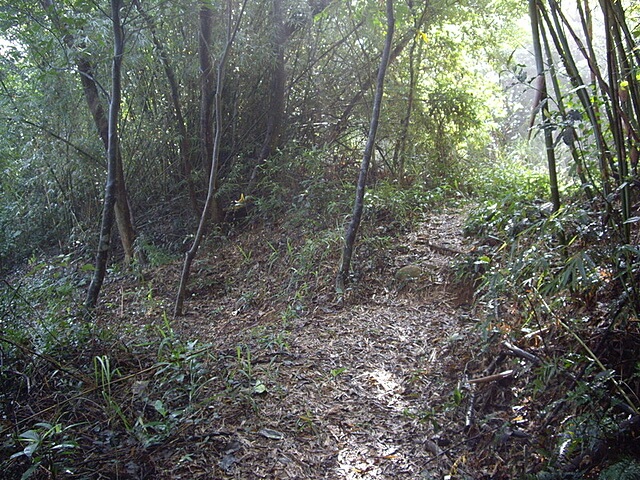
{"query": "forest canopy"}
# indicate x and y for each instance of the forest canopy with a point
(297, 87)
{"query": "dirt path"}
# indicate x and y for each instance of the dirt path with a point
(364, 392)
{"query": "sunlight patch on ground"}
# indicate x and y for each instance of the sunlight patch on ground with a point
(385, 387)
(363, 461)
(372, 461)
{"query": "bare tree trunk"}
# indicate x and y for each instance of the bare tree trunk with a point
(275, 115)
(104, 244)
(123, 215)
(544, 105)
(206, 86)
(400, 151)
(352, 228)
(232, 30)
(619, 71)
(275, 112)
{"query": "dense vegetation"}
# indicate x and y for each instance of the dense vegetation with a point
(247, 122)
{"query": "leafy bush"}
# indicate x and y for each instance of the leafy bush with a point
(389, 205)
(296, 182)
(626, 469)
(555, 281)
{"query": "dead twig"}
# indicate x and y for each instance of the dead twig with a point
(493, 378)
(518, 352)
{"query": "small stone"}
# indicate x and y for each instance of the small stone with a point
(408, 273)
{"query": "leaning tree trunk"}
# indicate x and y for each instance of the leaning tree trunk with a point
(343, 122)
(620, 73)
(561, 42)
(213, 169)
(207, 80)
(104, 244)
(123, 215)
(352, 228)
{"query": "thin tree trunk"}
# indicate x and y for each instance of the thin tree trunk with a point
(400, 151)
(104, 244)
(275, 113)
(617, 70)
(582, 90)
(123, 215)
(342, 122)
(277, 91)
(569, 135)
(544, 105)
(185, 144)
(352, 228)
(206, 85)
(213, 169)
(612, 107)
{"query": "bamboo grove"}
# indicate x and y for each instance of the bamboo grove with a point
(603, 101)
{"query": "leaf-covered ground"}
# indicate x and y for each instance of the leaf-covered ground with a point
(376, 387)
(268, 376)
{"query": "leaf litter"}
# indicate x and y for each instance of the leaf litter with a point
(289, 383)
(364, 391)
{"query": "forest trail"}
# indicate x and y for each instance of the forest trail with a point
(370, 390)
(361, 386)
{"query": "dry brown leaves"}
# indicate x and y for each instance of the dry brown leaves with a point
(374, 389)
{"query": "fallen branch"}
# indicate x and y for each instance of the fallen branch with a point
(518, 352)
(443, 249)
(493, 378)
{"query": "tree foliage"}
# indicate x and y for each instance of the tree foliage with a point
(300, 77)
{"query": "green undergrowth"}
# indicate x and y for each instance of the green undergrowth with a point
(558, 285)
(72, 389)
(562, 286)
(92, 400)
